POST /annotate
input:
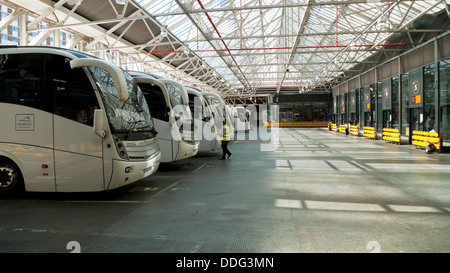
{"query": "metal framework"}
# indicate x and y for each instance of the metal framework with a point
(240, 49)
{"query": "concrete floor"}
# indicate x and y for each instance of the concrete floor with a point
(313, 191)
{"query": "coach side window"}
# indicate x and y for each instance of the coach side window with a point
(21, 79)
(72, 93)
(155, 100)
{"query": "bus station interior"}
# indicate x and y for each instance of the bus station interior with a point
(296, 181)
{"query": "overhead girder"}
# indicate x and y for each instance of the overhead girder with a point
(280, 5)
(248, 46)
(356, 55)
(107, 38)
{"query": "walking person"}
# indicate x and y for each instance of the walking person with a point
(225, 140)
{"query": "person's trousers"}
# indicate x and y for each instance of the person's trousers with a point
(225, 150)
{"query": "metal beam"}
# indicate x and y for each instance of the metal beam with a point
(297, 40)
(278, 6)
(9, 19)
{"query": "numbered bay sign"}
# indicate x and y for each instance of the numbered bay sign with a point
(367, 98)
(387, 94)
(416, 88)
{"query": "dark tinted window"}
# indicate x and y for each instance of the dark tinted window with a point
(155, 100)
(21, 79)
(196, 106)
(61, 90)
(73, 96)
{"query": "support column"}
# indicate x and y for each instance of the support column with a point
(400, 110)
(437, 97)
(57, 38)
(23, 33)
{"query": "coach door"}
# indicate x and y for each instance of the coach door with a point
(78, 151)
(387, 119)
(416, 121)
(444, 128)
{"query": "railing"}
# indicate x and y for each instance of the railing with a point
(391, 135)
(420, 139)
(369, 132)
(354, 130)
(334, 127)
(297, 124)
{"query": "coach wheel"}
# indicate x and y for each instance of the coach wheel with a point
(10, 177)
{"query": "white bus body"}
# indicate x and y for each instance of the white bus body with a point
(71, 123)
(241, 116)
(221, 111)
(162, 96)
(206, 130)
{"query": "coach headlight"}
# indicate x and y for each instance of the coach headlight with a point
(120, 148)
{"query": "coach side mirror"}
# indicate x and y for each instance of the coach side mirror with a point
(98, 123)
(115, 72)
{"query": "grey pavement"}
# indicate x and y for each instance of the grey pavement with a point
(309, 190)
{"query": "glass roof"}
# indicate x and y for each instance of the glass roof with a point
(246, 46)
(287, 44)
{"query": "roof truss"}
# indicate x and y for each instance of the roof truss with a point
(235, 47)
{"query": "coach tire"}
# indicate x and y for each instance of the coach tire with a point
(11, 181)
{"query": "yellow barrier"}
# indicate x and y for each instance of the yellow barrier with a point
(420, 139)
(354, 130)
(342, 128)
(334, 127)
(391, 135)
(369, 132)
(297, 124)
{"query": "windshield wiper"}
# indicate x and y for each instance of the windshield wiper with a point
(134, 123)
(149, 128)
(152, 128)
